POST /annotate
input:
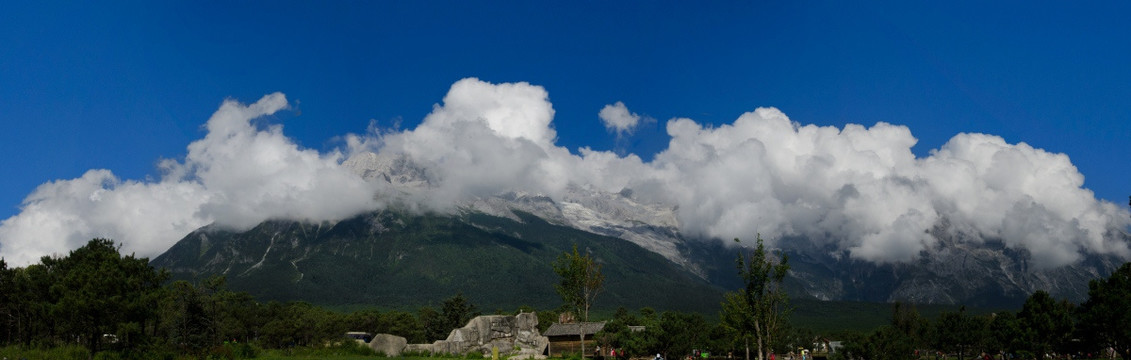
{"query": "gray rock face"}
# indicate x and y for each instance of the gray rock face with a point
(513, 335)
(390, 345)
(394, 170)
(653, 226)
(958, 270)
(419, 348)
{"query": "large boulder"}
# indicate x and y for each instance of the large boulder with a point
(390, 345)
(419, 349)
(511, 334)
(527, 339)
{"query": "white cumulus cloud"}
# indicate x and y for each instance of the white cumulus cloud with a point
(616, 117)
(236, 176)
(855, 189)
(858, 189)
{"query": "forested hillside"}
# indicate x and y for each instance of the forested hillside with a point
(393, 259)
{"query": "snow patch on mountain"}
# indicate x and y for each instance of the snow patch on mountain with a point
(958, 268)
(652, 226)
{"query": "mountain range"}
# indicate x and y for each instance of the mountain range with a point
(498, 250)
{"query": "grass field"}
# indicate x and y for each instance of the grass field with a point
(323, 356)
(821, 317)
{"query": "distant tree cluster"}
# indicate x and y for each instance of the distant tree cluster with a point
(758, 313)
(1044, 327)
(674, 335)
(92, 297)
(667, 333)
(105, 302)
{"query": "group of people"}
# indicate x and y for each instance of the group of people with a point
(613, 354)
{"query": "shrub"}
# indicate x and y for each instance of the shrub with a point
(107, 355)
(243, 350)
(70, 352)
(75, 352)
(221, 352)
(572, 356)
(417, 354)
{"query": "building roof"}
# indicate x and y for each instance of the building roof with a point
(589, 328)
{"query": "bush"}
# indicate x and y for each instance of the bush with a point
(232, 351)
(416, 354)
(108, 355)
(152, 352)
(220, 352)
(242, 350)
(74, 352)
(572, 356)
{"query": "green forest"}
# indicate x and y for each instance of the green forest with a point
(98, 303)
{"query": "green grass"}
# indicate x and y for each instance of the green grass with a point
(63, 352)
(351, 357)
(279, 356)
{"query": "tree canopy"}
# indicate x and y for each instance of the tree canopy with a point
(91, 294)
(581, 281)
(1107, 312)
(760, 309)
(1046, 323)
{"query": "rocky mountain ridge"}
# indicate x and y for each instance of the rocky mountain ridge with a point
(408, 249)
(651, 226)
(398, 258)
(959, 269)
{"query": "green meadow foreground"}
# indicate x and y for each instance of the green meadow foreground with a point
(341, 351)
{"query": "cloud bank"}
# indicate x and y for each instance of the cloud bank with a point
(238, 175)
(857, 189)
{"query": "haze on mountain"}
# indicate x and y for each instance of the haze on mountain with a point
(856, 192)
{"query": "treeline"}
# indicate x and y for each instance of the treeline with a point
(105, 302)
(675, 335)
(1043, 328)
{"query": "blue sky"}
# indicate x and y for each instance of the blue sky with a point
(122, 85)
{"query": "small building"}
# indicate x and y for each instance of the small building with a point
(566, 338)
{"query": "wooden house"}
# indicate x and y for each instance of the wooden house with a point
(566, 338)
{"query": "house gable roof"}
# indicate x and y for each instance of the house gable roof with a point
(576, 329)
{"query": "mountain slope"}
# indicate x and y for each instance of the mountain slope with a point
(498, 249)
(394, 259)
(976, 272)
